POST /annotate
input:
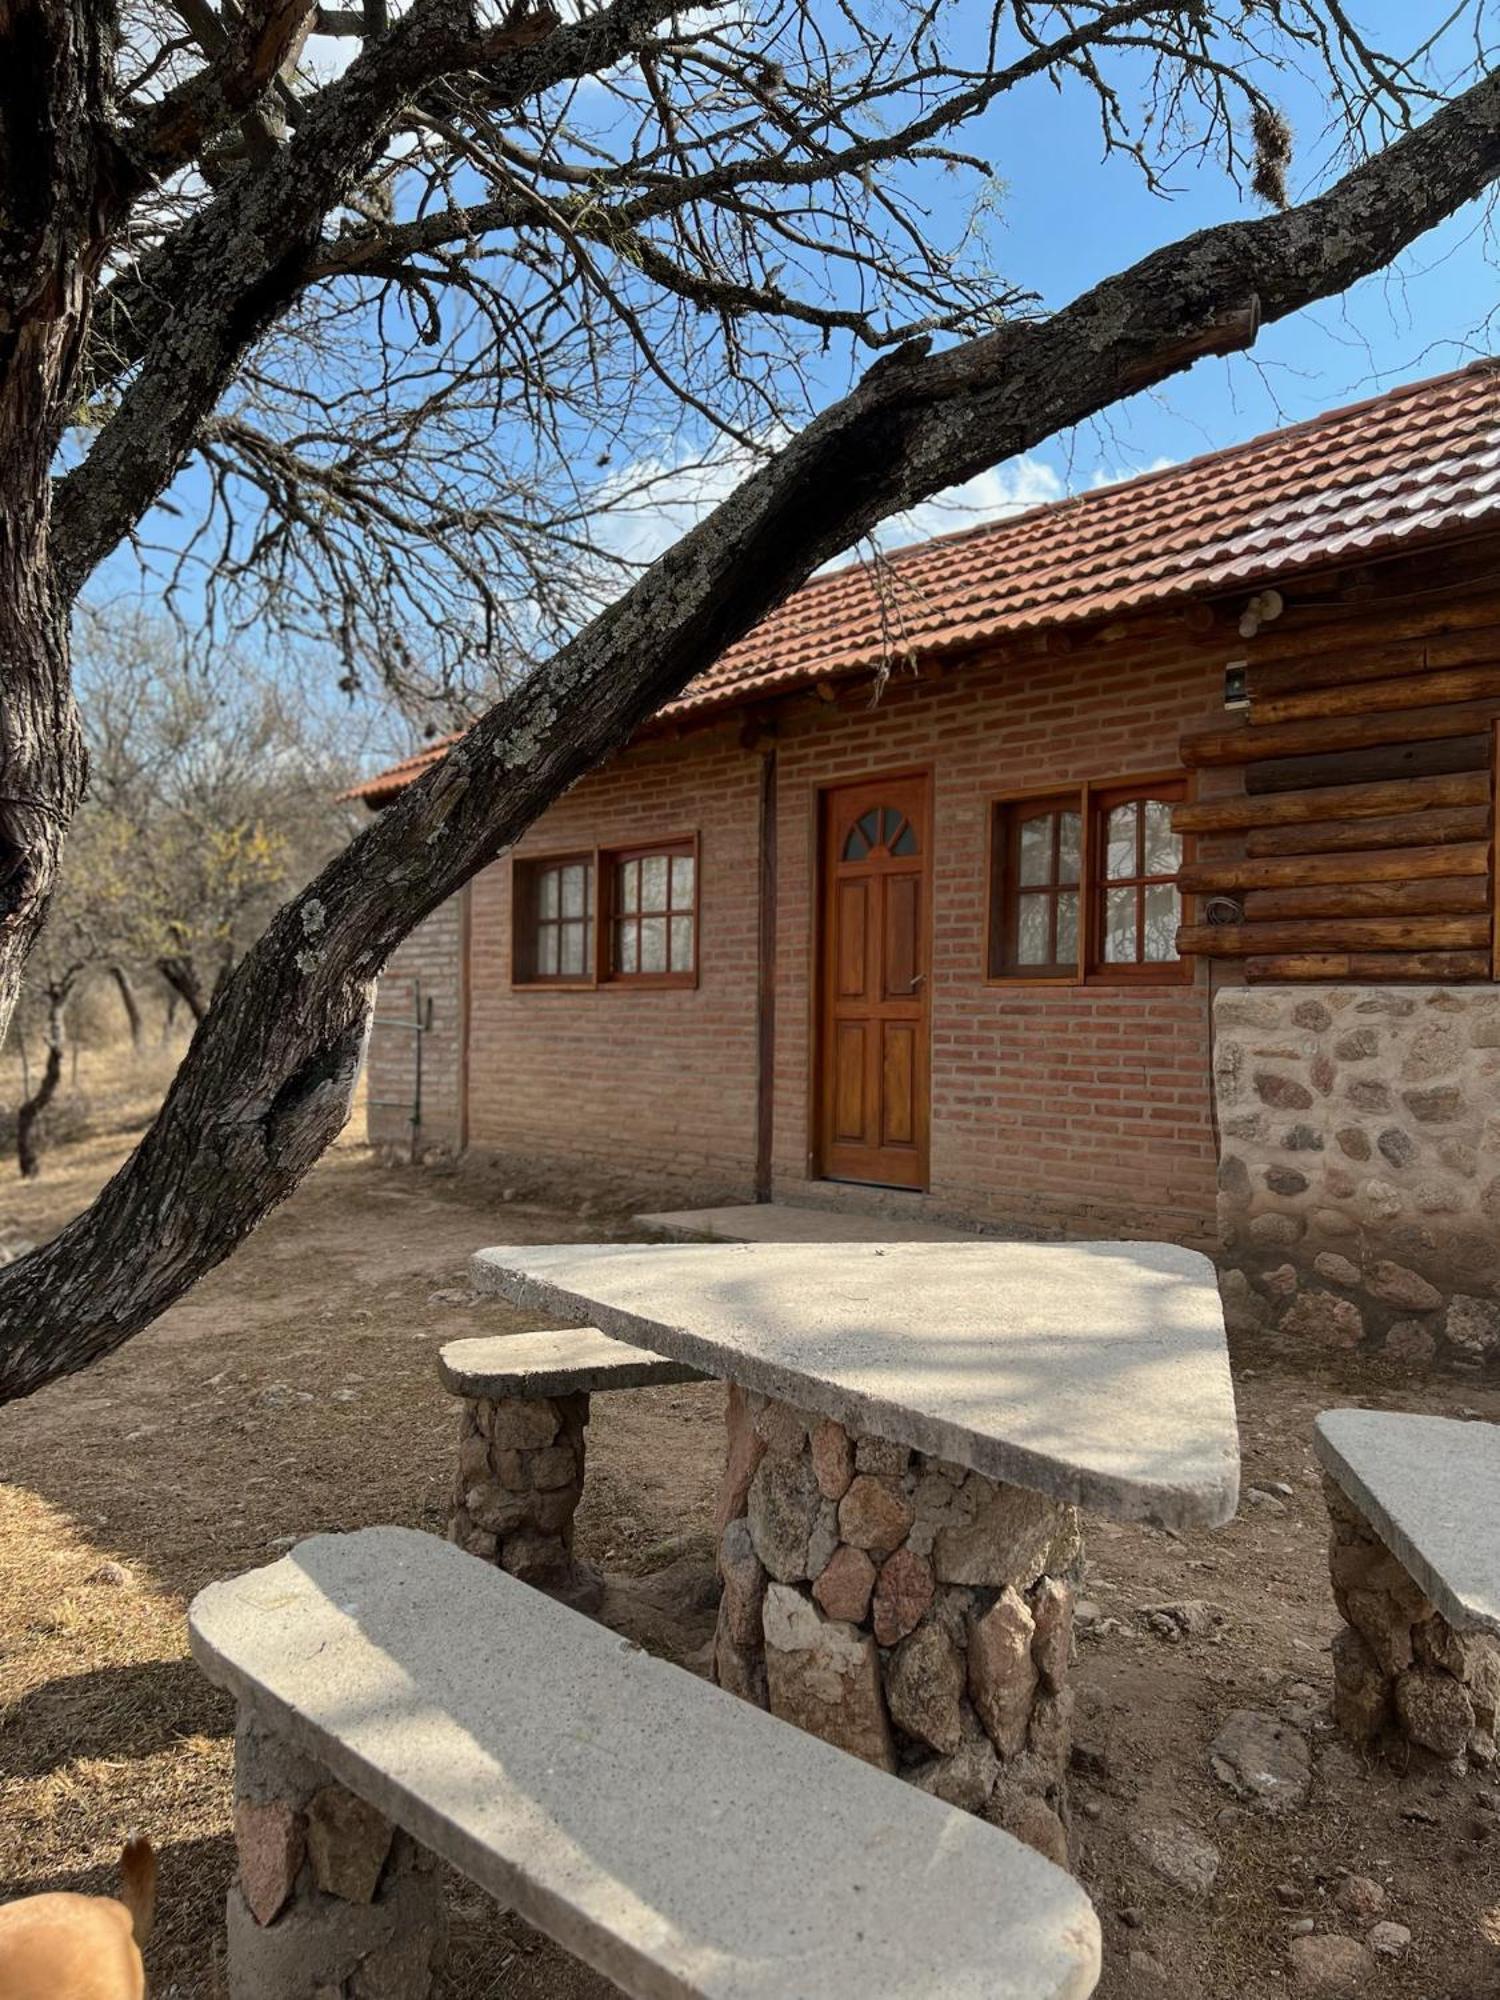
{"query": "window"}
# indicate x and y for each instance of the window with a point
(1083, 884)
(1139, 905)
(554, 921)
(653, 913)
(627, 916)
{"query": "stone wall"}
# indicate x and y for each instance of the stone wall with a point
(1359, 1174)
(910, 1611)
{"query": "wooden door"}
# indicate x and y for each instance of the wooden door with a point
(872, 1088)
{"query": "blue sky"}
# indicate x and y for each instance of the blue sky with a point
(1069, 220)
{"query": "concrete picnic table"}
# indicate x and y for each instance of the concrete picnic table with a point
(912, 1429)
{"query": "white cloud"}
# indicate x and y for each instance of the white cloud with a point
(645, 508)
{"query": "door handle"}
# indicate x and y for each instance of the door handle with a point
(916, 982)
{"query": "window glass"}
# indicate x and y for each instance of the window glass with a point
(554, 919)
(653, 928)
(1120, 836)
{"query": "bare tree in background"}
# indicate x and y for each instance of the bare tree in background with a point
(365, 317)
(213, 793)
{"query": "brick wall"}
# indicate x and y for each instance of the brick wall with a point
(431, 960)
(653, 1088)
(1080, 1111)
(1076, 1110)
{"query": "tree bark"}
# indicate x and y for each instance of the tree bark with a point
(126, 990)
(29, 1115)
(267, 1083)
(56, 161)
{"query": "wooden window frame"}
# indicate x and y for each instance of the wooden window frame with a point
(609, 861)
(1006, 816)
(1092, 798)
(525, 872)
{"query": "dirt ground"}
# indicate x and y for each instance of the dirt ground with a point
(295, 1391)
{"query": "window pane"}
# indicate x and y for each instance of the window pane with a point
(629, 885)
(548, 892)
(572, 890)
(1120, 836)
(1033, 946)
(1119, 926)
(654, 882)
(571, 958)
(1067, 927)
(906, 841)
(682, 881)
(625, 952)
(1163, 915)
(653, 944)
(1163, 848)
(856, 847)
(869, 825)
(682, 944)
(890, 825)
(546, 951)
(1069, 846)
(1036, 848)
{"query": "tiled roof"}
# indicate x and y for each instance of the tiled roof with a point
(1422, 460)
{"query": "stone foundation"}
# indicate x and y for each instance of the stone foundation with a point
(1403, 1677)
(912, 1612)
(520, 1479)
(1359, 1175)
(329, 1901)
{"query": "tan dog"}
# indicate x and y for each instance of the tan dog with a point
(67, 1947)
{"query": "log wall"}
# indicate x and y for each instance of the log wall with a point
(1359, 841)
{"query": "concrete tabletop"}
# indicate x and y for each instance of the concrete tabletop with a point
(677, 1839)
(1095, 1373)
(1430, 1488)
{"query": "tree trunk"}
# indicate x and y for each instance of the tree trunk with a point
(56, 162)
(181, 976)
(28, 1117)
(126, 991)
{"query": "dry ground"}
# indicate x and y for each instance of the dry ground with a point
(294, 1391)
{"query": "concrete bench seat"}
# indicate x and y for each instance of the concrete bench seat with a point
(577, 1360)
(521, 1445)
(676, 1839)
(1415, 1563)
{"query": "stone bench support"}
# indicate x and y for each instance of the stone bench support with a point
(521, 1446)
(520, 1479)
(914, 1613)
(1403, 1675)
(1416, 1577)
(329, 1901)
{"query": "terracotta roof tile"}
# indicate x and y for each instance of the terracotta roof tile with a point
(1422, 460)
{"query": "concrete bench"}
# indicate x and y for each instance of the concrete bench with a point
(399, 1702)
(521, 1445)
(1415, 1563)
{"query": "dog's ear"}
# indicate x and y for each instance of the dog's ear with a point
(138, 1885)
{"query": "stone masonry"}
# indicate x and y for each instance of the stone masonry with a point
(910, 1611)
(1403, 1676)
(520, 1479)
(330, 1901)
(1359, 1174)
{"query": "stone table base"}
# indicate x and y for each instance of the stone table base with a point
(329, 1901)
(914, 1613)
(1403, 1676)
(520, 1479)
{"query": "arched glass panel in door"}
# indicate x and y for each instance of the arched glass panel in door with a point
(881, 830)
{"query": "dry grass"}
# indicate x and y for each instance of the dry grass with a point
(294, 1391)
